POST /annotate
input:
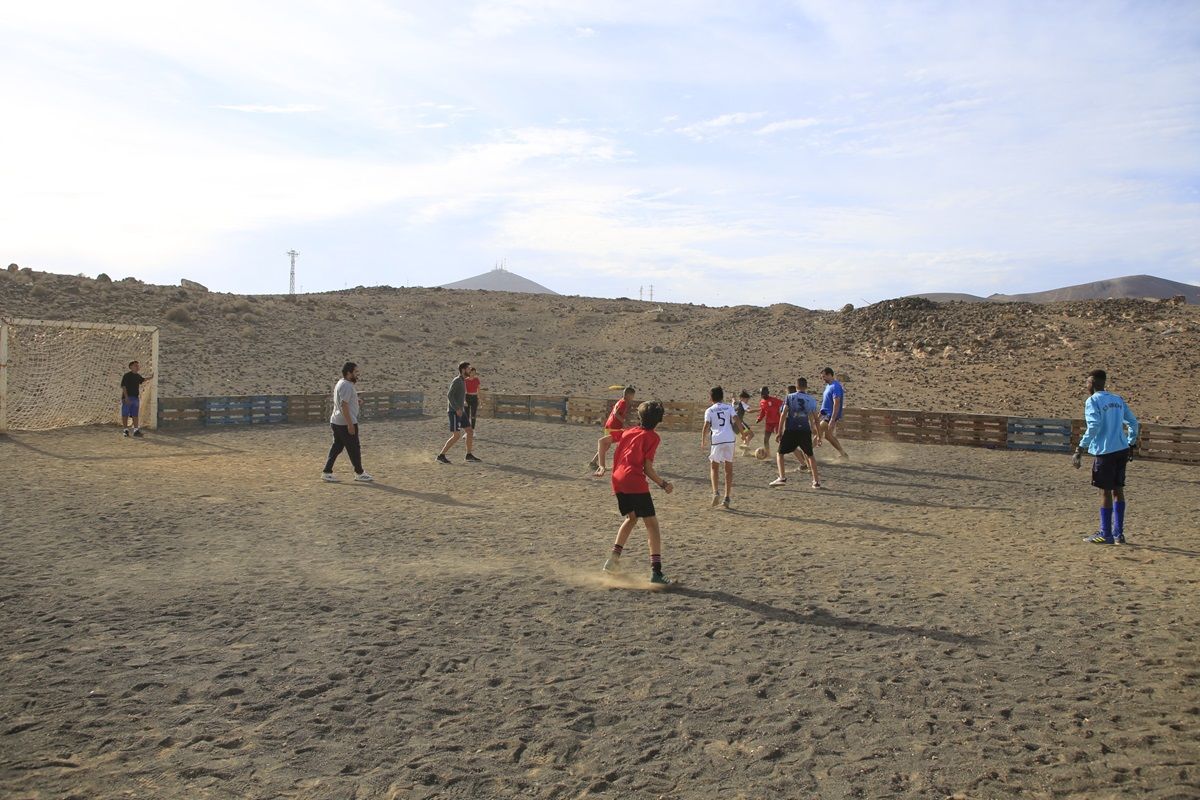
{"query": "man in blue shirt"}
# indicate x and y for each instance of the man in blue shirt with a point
(832, 405)
(796, 419)
(1107, 418)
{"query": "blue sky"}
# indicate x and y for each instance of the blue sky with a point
(816, 153)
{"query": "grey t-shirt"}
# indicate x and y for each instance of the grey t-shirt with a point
(344, 392)
(457, 396)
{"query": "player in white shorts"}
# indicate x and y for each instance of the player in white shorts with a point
(721, 422)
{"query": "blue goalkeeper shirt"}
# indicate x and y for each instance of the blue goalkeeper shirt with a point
(1107, 416)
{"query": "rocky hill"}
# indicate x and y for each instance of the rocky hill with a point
(908, 353)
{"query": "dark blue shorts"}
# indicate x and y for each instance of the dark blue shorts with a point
(130, 406)
(458, 421)
(1108, 470)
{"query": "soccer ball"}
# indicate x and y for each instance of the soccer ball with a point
(760, 453)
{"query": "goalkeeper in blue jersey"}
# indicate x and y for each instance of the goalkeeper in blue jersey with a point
(1112, 431)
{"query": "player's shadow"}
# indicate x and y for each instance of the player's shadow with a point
(858, 466)
(152, 446)
(529, 473)
(826, 619)
(525, 445)
(428, 497)
(906, 501)
(870, 527)
(1162, 548)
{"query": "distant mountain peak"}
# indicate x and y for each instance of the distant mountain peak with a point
(1127, 287)
(499, 279)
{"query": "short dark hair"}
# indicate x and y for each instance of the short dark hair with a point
(765, 391)
(744, 394)
(827, 371)
(630, 390)
(1099, 378)
(650, 413)
(463, 365)
(131, 363)
(717, 394)
(801, 384)
(791, 388)
(348, 367)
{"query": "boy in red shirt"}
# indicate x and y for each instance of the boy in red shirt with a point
(615, 422)
(768, 409)
(633, 463)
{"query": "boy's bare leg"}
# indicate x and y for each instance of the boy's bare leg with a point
(627, 526)
(779, 464)
(713, 467)
(450, 442)
(470, 440)
(812, 466)
(767, 441)
(602, 445)
(728, 479)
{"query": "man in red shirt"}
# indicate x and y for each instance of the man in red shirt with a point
(615, 422)
(633, 463)
(768, 409)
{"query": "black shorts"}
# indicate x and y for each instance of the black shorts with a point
(640, 504)
(1108, 470)
(793, 439)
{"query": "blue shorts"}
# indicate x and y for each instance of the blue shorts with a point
(130, 406)
(458, 421)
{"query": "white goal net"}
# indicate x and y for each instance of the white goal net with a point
(61, 374)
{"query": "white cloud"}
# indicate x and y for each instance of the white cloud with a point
(270, 109)
(718, 125)
(787, 125)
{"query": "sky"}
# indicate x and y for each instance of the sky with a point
(809, 152)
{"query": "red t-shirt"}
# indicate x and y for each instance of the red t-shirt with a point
(769, 407)
(635, 447)
(616, 420)
(472, 385)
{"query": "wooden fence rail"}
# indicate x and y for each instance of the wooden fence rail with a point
(177, 412)
(1170, 443)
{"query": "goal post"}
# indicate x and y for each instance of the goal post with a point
(56, 374)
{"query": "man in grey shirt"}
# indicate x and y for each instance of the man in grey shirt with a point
(344, 422)
(460, 420)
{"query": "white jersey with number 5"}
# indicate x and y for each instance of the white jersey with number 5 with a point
(720, 416)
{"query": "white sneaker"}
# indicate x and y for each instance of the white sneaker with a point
(365, 477)
(328, 477)
(778, 482)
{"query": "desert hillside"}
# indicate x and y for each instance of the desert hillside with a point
(909, 353)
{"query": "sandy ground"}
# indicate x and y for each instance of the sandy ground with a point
(199, 616)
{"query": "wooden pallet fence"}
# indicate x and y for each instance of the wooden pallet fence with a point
(1047, 435)
(533, 407)
(177, 412)
(1171, 443)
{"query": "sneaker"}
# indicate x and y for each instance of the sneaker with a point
(1100, 538)
(594, 463)
(442, 458)
(778, 482)
(365, 477)
(471, 457)
(125, 432)
(816, 484)
(612, 564)
(1119, 538)
(725, 504)
(716, 501)
(658, 579)
(138, 433)
(328, 477)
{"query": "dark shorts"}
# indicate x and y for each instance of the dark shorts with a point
(130, 406)
(793, 439)
(640, 504)
(459, 421)
(1108, 470)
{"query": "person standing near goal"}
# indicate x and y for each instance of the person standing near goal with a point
(131, 389)
(721, 422)
(1108, 418)
(344, 422)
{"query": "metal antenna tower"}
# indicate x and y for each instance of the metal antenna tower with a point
(652, 293)
(292, 280)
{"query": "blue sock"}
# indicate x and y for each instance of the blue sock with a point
(1106, 522)
(1119, 518)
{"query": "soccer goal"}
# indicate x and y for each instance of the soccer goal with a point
(61, 374)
